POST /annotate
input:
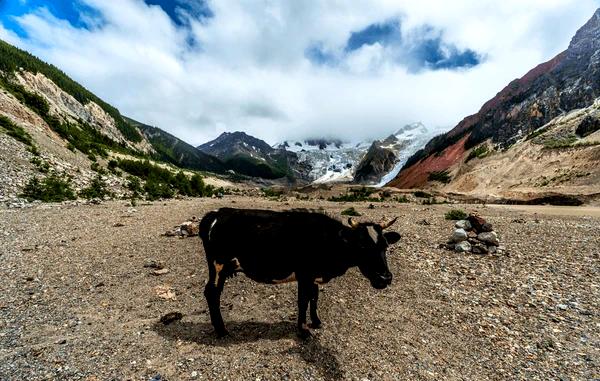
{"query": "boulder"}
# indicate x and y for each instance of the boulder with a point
(491, 238)
(459, 235)
(463, 224)
(463, 247)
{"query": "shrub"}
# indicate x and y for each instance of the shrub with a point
(560, 142)
(478, 152)
(402, 199)
(52, 189)
(17, 132)
(421, 194)
(455, 214)
(42, 165)
(440, 176)
(156, 189)
(96, 189)
(270, 192)
(350, 212)
(356, 195)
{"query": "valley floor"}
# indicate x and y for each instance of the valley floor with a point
(77, 303)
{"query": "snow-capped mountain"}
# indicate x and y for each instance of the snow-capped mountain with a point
(332, 160)
(329, 160)
(409, 139)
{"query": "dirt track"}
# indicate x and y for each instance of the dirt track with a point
(77, 303)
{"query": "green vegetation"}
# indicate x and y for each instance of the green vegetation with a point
(440, 176)
(478, 153)
(401, 199)
(356, 195)
(455, 214)
(79, 135)
(52, 189)
(270, 192)
(96, 189)
(350, 212)
(421, 194)
(560, 142)
(536, 133)
(17, 132)
(42, 165)
(13, 59)
(162, 183)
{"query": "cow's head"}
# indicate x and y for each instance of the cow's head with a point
(371, 243)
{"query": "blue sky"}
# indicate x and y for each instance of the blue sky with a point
(280, 69)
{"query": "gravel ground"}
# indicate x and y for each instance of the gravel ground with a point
(77, 303)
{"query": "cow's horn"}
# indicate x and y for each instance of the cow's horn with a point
(353, 224)
(385, 225)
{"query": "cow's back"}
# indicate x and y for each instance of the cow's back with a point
(269, 245)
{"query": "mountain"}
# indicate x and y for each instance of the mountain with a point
(367, 162)
(327, 160)
(521, 123)
(250, 156)
(50, 124)
(171, 149)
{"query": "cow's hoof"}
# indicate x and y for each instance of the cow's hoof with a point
(315, 325)
(304, 333)
(222, 333)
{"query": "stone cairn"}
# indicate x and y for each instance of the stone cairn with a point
(474, 235)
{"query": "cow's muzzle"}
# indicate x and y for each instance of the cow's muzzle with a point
(381, 281)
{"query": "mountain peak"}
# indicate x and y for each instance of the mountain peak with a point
(588, 36)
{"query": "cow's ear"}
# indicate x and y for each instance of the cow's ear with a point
(391, 237)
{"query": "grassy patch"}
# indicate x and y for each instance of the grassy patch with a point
(350, 212)
(455, 214)
(51, 189)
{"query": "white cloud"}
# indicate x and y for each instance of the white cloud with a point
(249, 71)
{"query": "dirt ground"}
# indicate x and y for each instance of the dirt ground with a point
(77, 302)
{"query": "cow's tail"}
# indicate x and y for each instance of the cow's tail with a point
(206, 223)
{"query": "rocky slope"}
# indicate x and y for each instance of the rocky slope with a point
(568, 82)
(52, 125)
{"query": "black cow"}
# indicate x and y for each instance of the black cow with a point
(297, 245)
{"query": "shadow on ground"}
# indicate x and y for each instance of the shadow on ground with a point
(310, 350)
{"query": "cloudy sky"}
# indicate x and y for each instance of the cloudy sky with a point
(294, 69)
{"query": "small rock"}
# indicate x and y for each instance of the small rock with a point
(61, 341)
(562, 307)
(489, 238)
(118, 224)
(463, 247)
(171, 317)
(479, 249)
(459, 235)
(463, 224)
(153, 264)
(487, 227)
(160, 272)
(371, 206)
(423, 222)
(491, 249)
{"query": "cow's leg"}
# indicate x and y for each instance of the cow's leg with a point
(315, 322)
(212, 292)
(304, 296)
